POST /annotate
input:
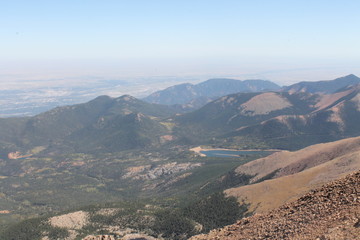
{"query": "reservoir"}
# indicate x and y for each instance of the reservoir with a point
(234, 153)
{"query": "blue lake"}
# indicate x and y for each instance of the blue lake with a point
(234, 153)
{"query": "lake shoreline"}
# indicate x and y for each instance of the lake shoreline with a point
(200, 149)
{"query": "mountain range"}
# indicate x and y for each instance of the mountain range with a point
(274, 119)
(188, 96)
(283, 120)
(124, 148)
(328, 118)
(327, 86)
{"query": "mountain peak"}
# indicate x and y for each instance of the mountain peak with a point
(101, 98)
(126, 98)
(351, 76)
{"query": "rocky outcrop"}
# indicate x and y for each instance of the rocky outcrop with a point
(17, 155)
(75, 220)
(331, 212)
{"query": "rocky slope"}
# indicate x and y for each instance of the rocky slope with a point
(326, 213)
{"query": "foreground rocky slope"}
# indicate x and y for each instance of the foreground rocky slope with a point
(329, 212)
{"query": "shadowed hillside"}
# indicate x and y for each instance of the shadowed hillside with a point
(232, 112)
(333, 117)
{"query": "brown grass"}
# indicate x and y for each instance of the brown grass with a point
(270, 194)
(287, 163)
(328, 99)
(265, 103)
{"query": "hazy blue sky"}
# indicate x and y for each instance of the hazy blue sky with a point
(280, 40)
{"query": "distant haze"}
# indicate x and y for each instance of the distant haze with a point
(154, 76)
(282, 41)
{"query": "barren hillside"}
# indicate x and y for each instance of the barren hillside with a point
(286, 163)
(295, 173)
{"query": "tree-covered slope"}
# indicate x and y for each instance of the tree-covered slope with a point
(125, 122)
